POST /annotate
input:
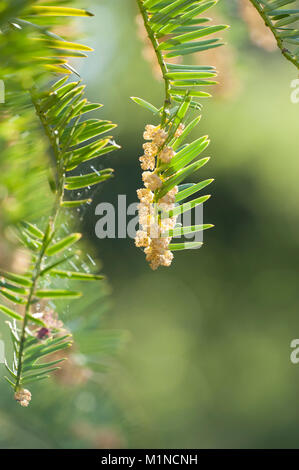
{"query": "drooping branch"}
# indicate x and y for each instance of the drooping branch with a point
(72, 141)
(284, 18)
(175, 29)
(48, 234)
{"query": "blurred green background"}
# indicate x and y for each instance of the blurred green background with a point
(208, 363)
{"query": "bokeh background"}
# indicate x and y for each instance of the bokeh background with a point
(208, 363)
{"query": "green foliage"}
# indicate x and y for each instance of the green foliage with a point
(283, 22)
(58, 415)
(60, 111)
(174, 28)
(27, 43)
(31, 51)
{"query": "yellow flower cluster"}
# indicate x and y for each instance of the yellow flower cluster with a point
(23, 396)
(152, 236)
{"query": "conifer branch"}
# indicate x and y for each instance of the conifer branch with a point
(33, 51)
(49, 233)
(276, 19)
(160, 58)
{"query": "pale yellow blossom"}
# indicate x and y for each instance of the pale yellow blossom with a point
(145, 195)
(142, 239)
(160, 244)
(147, 163)
(23, 396)
(150, 132)
(160, 137)
(167, 258)
(151, 180)
(150, 149)
(154, 219)
(155, 133)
